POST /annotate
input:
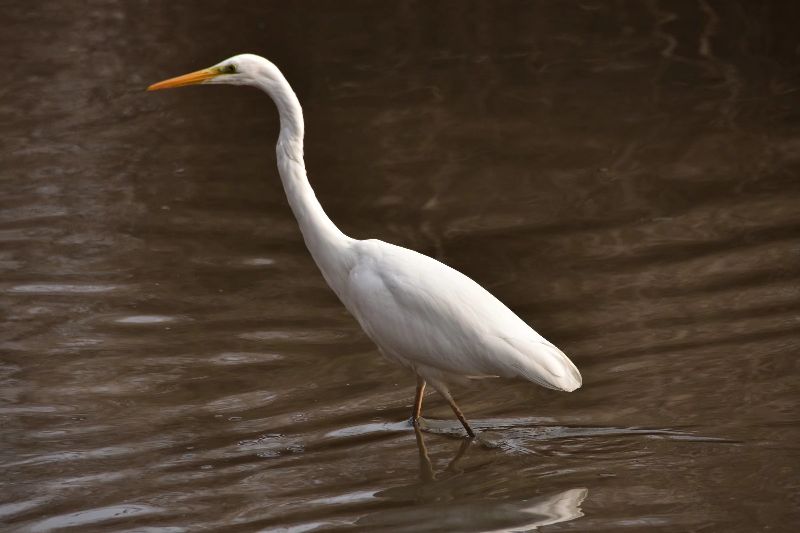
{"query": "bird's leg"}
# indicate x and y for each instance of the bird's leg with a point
(460, 416)
(444, 392)
(418, 401)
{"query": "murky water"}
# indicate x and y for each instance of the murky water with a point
(624, 175)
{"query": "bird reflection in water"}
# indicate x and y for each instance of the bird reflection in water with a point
(426, 472)
(437, 509)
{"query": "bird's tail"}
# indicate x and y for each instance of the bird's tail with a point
(540, 362)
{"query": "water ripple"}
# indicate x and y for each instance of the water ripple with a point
(62, 288)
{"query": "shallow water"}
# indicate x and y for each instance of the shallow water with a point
(624, 176)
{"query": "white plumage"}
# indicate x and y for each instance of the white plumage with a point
(439, 322)
(420, 313)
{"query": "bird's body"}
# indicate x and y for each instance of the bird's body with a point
(441, 324)
(420, 313)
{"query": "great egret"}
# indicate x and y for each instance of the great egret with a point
(420, 313)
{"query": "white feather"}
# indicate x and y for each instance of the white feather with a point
(421, 312)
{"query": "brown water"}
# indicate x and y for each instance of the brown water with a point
(623, 175)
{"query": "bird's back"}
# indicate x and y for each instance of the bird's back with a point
(425, 314)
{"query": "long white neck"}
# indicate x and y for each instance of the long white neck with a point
(330, 248)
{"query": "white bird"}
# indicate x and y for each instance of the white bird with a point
(420, 313)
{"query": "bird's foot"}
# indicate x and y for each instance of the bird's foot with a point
(441, 427)
(417, 423)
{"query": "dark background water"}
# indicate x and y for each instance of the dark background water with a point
(624, 175)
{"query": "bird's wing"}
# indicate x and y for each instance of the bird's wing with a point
(538, 361)
(422, 312)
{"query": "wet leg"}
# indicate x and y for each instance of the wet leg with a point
(442, 389)
(460, 416)
(418, 401)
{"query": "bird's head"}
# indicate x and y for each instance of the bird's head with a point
(243, 69)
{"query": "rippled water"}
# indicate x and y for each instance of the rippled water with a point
(623, 175)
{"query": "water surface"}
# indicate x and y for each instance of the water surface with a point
(623, 175)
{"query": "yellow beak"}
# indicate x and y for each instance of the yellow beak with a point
(193, 78)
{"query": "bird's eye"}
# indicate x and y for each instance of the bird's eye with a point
(230, 69)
